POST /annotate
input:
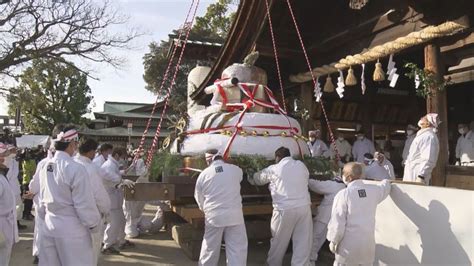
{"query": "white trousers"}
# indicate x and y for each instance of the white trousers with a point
(320, 231)
(5, 253)
(294, 224)
(37, 235)
(62, 251)
(6, 229)
(97, 238)
(235, 238)
(133, 213)
(115, 230)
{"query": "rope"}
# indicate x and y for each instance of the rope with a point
(331, 135)
(275, 51)
(165, 78)
(168, 94)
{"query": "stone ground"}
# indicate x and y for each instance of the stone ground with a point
(158, 249)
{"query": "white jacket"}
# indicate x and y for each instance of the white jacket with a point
(389, 167)
(7, 211)
(66, 201)
(318, 148)
(376, 171)
(343, 147)
(217, 194)
(99, 160)
(407, 146)
(111, 177)
(288, 183)
(328, 189)
(34, 185)
(352, 224)
(423, 156)
(12, 176)
(101, 196)
(362, 147)
(465, 147)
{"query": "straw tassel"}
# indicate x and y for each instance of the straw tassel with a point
(351, 79)
(379, 75)
(328, 87)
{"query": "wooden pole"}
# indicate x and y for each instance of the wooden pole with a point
(436, 103)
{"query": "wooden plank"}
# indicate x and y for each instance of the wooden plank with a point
(459, 170)
(460, 181)
(150, 191)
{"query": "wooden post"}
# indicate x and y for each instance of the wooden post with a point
(436, 103)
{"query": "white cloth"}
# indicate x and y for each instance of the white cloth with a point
(97, 238)
(101, 196)
(114, 233)
(99, 160)
(328, 189)
(318, 148)
(70, 251)
(406, 147)
(34, 187)
(465, 148)
(352, 224)
(362, 147)
(235, 238)
(69, 211)
(423, 156)
(292, 224)
(12, 176)
(133, 210)
(288, 183)
(376, 171)
(389, 167)
(8, 226)
(217, 194)
(343, 147)
(140, 167)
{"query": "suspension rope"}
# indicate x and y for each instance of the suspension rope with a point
(163, 81)
(331, 135)
(275, 51)
(188, 27)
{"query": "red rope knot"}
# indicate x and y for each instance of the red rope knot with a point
(249, 104)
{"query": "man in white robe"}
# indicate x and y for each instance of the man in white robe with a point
(8, 226)
(217, 194)
(411, 133)
(362, 146)
(424, 151)
(67, 207)
(351, 230)
(291, 220)
(465, 146)
(329, 189)
(12, 176)
(114, 235)
(87, 149)
(316, 146)
(104, 152)
(343, 148)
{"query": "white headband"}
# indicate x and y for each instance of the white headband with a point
(68, 136)
(433, 119)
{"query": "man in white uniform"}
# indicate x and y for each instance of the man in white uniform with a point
(217, 194)
(291, 220)
(104, 152)
(362, 146)
(465, 146)
(67, 206)
(424, 151)
(87, 149)
(12, 176)
(343, 148)
(8, 227)
(328, 189)
(112, 178)
(381, 160)
(411, 133)
(351, 230)
(316, 146)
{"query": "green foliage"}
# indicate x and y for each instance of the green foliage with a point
(165, 163)
(216, 22)
(427, 80)
(320, 166)
(250, 164)
(50, 92)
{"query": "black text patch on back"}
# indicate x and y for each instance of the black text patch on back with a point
(219, 169)
(362, 193)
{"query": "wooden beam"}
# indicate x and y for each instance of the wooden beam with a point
(283, 52)
(436, 102)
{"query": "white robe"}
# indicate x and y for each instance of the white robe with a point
(69, 211)
(406, 147)
(99, 160)
(8, 226)
(362, 147)
(217, 194)
(12, 176)
(343, 147)
(328, 189)
(465, 149)
(318, 148)
(376, 171)
(288, 184)
(423, 156)
(34, 188)
(133, 210)
(352, 224)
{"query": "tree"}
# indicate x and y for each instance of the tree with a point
(32, 29)
(50, 92)
(213, 26)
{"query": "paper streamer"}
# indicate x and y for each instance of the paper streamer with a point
(417, 81)
(362, 80)
(340, 84)
(392, 72)
(317, 91)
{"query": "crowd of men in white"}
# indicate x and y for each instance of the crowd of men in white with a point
(79, 198)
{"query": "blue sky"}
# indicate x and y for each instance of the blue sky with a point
(155, 17)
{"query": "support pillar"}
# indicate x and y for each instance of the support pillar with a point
(436, 102)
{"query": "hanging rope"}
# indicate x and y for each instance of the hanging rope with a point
(331, 135)
(275, 51)
(188, 27)
(165, 78)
